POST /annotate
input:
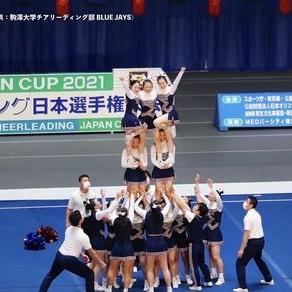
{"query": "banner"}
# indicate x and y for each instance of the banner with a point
(253, 110)
(64, 103)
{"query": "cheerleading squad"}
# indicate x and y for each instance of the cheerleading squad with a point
(140, 228)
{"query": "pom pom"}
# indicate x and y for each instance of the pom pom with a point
(48, 233)
(34, 241)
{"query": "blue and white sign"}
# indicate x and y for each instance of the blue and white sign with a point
(253, 110)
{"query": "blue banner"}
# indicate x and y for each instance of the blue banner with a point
(253, 110)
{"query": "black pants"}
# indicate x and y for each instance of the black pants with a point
(197, 258)
(71, 264)
(253, 250)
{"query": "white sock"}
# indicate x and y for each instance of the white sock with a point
(213, 271)
(221, 275)
(150, 289)
(169, 289)
(125, 290)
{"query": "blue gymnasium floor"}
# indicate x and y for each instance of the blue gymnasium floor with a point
(23, 270)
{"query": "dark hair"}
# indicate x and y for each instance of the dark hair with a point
(82, 176)
(161, 77)
(75, 218)
(122, 210)
(203, 209)
(253, 200)
(133, 82)
(145, 81)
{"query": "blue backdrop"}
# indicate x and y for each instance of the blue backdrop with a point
(248, 35)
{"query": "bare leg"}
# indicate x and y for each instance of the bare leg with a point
(112, 271)
(128, 272)
(165, 270)
(150, 260)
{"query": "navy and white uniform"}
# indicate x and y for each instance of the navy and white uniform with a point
(148, 107)
(122, 249)
(130, 120)
(159, 173)
(137, 235)
(168, 229)
(95, 228)
(212, 231)
(196, 248)
(110, 239)
(180, 231)
(134, 175)
(166, 99)
(155, 241)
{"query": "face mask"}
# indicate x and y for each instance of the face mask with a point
(86, 185)
(244, 205)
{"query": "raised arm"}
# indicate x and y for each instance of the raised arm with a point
(154, 157)
(177, 80)
(184, 207)
(103, 200)
(215, 194)
(167, 206)
(198, 193)
(100, 214)
(141, 212)
(129, 92)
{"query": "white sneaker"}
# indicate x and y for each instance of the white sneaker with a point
(208, 284)
(271, 283)
(174, 283)
(132, 282)
(220, 282)
(196, 288)
(97, 287)
(189, 280)
(146, 286)
(240, 290)
(156, 283)
(116, 285)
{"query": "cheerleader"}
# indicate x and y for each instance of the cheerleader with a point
(130, 122)
(156, 246)
(148, 97)
(195, 231)
(122, 250)
(95, 229)
(171, 245)
(163, 172)
(212, 233)
(182, 241)
(165, 96)
(135, 165)
(138, 240)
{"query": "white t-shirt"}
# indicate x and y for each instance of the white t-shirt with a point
(75, 242)
(253, 223)
(76, 202)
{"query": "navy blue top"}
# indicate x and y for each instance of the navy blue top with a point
(122, 228)
(166, 102)
(152, 225)
(195, 229)
(214, 219)
(132, 106)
